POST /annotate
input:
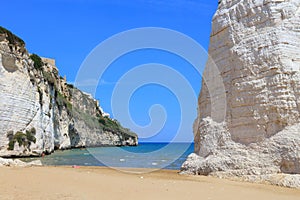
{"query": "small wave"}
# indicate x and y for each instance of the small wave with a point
(122, 160)
(129, 156)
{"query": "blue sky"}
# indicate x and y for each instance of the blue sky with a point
(68, 30)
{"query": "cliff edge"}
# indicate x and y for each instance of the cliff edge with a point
(256, 47)
(41, 112)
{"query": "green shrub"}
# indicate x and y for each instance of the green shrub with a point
(11, 145)
(22, 138)
(30, 135)
(33, 131)
(102, 120)
(38, 63)
(110, 124)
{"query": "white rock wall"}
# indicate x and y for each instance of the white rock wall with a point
(256, 47)
(20, 106)
(29, 99)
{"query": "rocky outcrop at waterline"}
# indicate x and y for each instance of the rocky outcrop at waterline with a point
(40, 111)
(18, 163)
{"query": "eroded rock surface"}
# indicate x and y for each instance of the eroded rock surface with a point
(256, 47)
(18, 163)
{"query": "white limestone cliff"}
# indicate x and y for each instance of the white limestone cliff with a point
(40, 112)
(256, 46)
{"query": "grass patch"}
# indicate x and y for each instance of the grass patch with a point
(90, 121)
(114, 126)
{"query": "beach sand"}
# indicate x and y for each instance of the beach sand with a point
(105, 183)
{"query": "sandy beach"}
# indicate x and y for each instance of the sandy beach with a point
(105, 183)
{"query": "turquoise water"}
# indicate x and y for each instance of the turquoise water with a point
(145, 155)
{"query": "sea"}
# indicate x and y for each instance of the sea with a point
(145, 155)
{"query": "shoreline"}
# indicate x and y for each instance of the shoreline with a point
(67, 182)
(46, 153)
(131, 157)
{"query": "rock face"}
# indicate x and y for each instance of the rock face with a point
(255, 45)
(40, 112)
(18, 163)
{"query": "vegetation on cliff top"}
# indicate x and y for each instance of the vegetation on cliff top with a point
(12, 38)
(113, 126)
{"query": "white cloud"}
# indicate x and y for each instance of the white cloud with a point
(87, 82)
